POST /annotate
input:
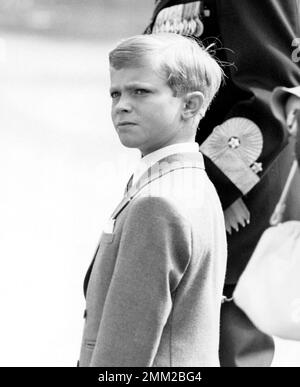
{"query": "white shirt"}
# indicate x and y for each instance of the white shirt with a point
(147, 161)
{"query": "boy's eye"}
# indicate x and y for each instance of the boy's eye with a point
(140, 91)
(114, 94)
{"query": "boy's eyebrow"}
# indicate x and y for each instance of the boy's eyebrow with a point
(132, 85)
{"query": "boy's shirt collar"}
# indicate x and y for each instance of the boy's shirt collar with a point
(148, 161)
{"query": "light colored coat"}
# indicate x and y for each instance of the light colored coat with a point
(155, 288)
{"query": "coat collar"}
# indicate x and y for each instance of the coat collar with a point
(159, 169)
(152, 158)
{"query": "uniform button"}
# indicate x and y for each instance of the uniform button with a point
(85, 314)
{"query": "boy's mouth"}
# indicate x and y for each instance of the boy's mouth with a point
(124, 123)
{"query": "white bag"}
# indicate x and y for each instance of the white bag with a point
(268, 290)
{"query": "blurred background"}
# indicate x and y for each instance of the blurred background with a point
(62, 168)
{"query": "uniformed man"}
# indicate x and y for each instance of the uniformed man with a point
(245, 147)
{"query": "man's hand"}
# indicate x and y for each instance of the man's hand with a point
(235, 215)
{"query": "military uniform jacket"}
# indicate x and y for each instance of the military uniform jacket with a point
(154, 289)
(240, 138)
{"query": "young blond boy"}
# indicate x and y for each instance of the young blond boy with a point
(154, 288)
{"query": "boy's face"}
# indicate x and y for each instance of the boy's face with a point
(145, 113)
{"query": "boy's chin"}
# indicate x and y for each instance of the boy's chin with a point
(129, 143)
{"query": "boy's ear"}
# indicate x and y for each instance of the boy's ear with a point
(192, 104)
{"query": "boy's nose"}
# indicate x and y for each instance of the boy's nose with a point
(123, 105)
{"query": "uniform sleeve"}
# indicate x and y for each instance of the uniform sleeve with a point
(260, 36)
(154, 252)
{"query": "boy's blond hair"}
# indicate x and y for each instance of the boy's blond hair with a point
(185, 64)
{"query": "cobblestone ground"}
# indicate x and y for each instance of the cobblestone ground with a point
(62, 171)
